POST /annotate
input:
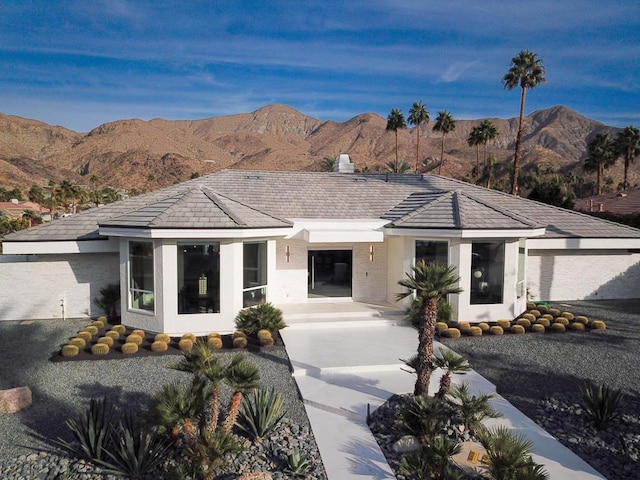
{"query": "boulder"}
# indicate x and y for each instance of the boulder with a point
(14, 399)
(256, 476)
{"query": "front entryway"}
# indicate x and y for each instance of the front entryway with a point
(329, 273)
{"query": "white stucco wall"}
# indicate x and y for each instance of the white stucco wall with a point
(34, 286)
(583, 274)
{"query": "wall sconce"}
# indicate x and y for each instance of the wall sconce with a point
(287, 252)
(371, 253)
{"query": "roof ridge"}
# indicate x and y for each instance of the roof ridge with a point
(443, 194)
(219, 202)
(501, 210)
(222, 196)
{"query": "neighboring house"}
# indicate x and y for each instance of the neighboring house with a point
(621, 203)
(190, 256)
(15, 209)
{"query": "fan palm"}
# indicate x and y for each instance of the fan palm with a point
(429, 281)
(602, 154)
(444, 124)
(451, 363)
(243, 377)
(526, 71)
(473, 409)
(329, 163)
(628, 147)
(398, 167)
(488, 131)
(395, 121)
(418, 114)
(474, 140)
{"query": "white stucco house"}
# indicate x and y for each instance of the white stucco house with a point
(190, 256)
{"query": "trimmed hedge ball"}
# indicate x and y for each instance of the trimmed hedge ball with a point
(162, 337)
(543, 321)
(542, 308)
(562, 320)
(441, 327)
(185, 344)
(537, 328)
(70, 350)
(121, 329)
(263, 333)
(496, 330)
(528, 316)
(548, 316)
(463, 325)
(451, 333)
(535, 313)
(568, 315)
(474, 332)
(100, 349)
(130, 348)
(138, 332)
(240, 342)
(78, 342)
(134, 338)
(112, 334)
(577, 327)
(106, 340)
(83, 334)
(92, 329)
(598, 325)
(484, 326)
(159, 346)
(504, 324)
(238, 334)
(582, 319)
(215, 343)
(189, 336)
(524, 322)
(266, 341)
(555, 312)
(517, 329)
(557, 327)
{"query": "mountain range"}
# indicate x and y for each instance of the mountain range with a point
(151, 154)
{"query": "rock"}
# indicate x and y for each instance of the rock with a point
(406, 444)
(256, 476)
(14, 399)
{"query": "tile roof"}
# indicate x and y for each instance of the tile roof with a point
(229, 198)
(626, 202)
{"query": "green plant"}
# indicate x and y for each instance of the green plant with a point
(505, 324)
(263, 316)
(425, 417)
(472, 409)
(578, 327)
(557, 328)
(450, 362)
(240, 342)
(100, 349)
(138, 332)
(112, 334)
(267, 341)
(517, 329)
(162, 337)
(582, 319)
(70, 350)
(185, 344)
(543, 321)
(238, 334)
(134, 338)
(298, 464)
(554, 311)
(528, 316)
(99, 324)
(538, 328)
(542, 308)
(474, 331)
(158, 346)
(78, 342)
(484, 326)
(213, 334)
(109, 299)
(598, 325)
(451, 333)
(548, 316)
(261, 413)
(535, 313)
(106, 340)
(601, 402)
(83, 334)
(568, 315)
(174, 404)
(496, 330)
(92, 329)
(525, 322)
(102, 319)
(562, 321)
(215, 343)
(463, 325)
(130, 348)
(189, 336)
(121, 329)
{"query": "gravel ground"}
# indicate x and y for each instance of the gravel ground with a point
(61, 388)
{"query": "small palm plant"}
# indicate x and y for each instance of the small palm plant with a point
(263, 316)
(243, 377)
(472, 409)
(451, 363)
(602, 403)
(425, 418)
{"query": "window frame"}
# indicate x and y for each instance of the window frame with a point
(136, 292)
(262, 272)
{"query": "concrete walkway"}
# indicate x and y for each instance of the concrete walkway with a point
(346, 359)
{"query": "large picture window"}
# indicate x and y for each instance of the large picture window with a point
(199, 277)
(487, 272)
(254, 273)
(432, 252)
(141, 276)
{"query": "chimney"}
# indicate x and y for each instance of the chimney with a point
(344, 164)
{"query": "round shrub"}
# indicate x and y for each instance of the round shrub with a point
(543, 321)
(582, 319)
(240, 342)
(535, 313)
(451, 333)
(568, 315)
(215, 343)
(83, 334)
(557, 327)
(504, 324)
(102, 319)
(464, 325)
(562, 320)
(262, 316)
(474, 332)
(121, 329)
(100, 349)
(70, 350)
(496, 330)
(517, 329)
(134, 338)
(238, 334)
(162, 337)
(185, 344)
(98, 324)
(598, 325)
(528, 316)
(213, 334)
(537, 328)
(93, 330)
(542, 308)
(78, 342)
(266, 341)
(577, 326)
(525, 322)
(112, 334)
(555, 312)
(159, 346)
(441, 327)
(484, 326)
(531, 305)
(189, 336)
(138, 332)
(548, 316)
(106, 340)
(264, 335)
(130, 348)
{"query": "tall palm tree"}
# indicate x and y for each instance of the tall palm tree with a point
(445, 124)
(628, 147)
(602, 154)
(429, 281)
(418, 114)
(451, 363)
(474, 140)
(395, 121)
(526, 71)
(488, 131)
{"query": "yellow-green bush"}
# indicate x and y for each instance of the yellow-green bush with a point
(451, 333)
(102, 319)
(441, 327)
(134, 338)
(525, 322)
(159, 346)
(535, 313)
(463, 325)
(582, 319)
(568, 315)
(517, 329)
(70, 350)
(93, 330)
(562, 320)
(266, 341)
(130, 348)
(543, 321)
(83, 334)
(238, 334)
(240, 342)
(474, 332)
(555, 312)
(98, 324)
(78, 342)
(577, 326)
(598, 325)
(528, 316)
(263, 333)
(484, 326)
(162, 337)
(121, 329)
(100, 349)
(112, 334)
(215, 342)
(138, 332)
(557, 327)
(185, 344)
(504, 324)
(496, 330)
(537, 328)
(106, 340)
(189, 336)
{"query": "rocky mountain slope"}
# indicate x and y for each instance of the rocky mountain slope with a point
(148, 155)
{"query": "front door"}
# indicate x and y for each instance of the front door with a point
(329, 273)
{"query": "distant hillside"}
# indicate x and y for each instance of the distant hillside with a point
(149, 155)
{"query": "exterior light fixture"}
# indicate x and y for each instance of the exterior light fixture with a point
(287, 252)
(371, 253)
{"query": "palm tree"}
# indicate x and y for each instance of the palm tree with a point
(395, 121)
(474, 140)
(602, 154)
(429, 282)
(450, 362)
(488, 131)
(395, 167)
(418, 114)
(472, 409)
(329, 163)
(243, 377)
(445, 124)
(526, 71)
(628, 147)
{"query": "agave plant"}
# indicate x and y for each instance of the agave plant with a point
(261, 413)
(472, 409)
(298, 464)
(602, 403)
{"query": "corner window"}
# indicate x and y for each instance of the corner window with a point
(141, 276)
(198, 277)
(432, 252)
(254, 273)
(487, 272)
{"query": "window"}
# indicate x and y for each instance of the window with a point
(199, 277)
(487, 272)
(254, 273)
(141, 275)
(432, 252)
(522, 257)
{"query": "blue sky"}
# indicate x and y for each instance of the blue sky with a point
(83, 63)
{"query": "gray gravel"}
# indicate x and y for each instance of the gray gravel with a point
(60, 389)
